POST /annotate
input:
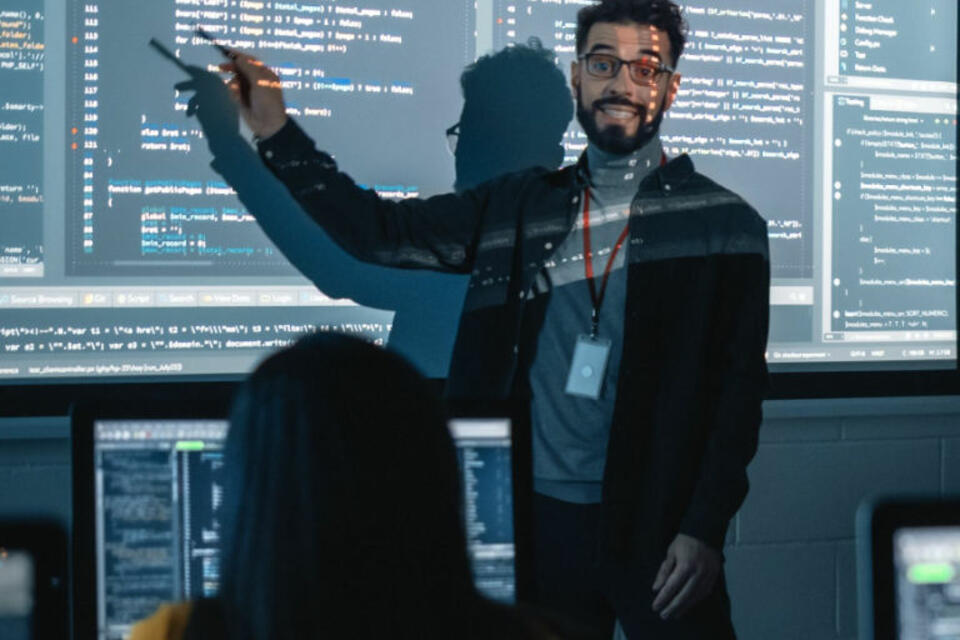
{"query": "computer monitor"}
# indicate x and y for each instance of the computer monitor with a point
(156, 488)
(148, 493)
(909, 569)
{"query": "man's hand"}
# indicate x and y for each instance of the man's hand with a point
(258, 94)
(686, 576)
(213, 106)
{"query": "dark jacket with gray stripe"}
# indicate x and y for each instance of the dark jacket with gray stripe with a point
(693, 372)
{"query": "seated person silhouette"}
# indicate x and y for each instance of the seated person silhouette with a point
(516, 109)
(342, 510)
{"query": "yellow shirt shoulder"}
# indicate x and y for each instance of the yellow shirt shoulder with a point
(168, 623)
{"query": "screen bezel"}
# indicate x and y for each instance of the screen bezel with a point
(55, 397)
(144, 406)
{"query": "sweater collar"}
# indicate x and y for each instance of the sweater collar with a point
(675, 173)
(622, 172)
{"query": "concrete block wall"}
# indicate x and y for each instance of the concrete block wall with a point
(35, 471)
(791, 566)
(791, 563)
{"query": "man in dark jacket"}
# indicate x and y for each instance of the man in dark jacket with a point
(624, 300)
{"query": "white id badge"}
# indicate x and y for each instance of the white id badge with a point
(589, 367)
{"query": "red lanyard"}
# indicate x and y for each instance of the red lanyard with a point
(588, 262)
(595, 297)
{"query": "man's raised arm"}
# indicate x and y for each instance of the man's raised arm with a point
(438, 233)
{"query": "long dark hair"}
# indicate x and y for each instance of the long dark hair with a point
(341, 504)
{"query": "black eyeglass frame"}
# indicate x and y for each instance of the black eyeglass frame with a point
(660, 66)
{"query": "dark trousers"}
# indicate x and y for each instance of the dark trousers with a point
(587, 595)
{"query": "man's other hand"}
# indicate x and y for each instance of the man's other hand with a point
(687, 576)
(258, 94)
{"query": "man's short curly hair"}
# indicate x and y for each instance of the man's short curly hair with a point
(662, 14)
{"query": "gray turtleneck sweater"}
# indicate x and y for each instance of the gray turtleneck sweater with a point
(570, 433)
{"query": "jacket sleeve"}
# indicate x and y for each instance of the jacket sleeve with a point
(438, 233)
(738, 383)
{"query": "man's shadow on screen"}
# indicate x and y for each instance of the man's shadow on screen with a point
(516, 109)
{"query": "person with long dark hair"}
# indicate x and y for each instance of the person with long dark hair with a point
(342, 510)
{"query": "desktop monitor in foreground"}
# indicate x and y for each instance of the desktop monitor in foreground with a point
(154, 516)
(909, 569)
(158, 490)
(927, 567)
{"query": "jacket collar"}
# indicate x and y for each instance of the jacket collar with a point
(673, 174)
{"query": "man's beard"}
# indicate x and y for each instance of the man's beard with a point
(614, 139)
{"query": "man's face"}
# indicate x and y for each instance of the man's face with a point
(618, 114)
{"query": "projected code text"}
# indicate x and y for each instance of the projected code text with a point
(150, 202)
(894, 215)
(22, 60)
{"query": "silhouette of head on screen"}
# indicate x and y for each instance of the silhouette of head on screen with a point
(516, 109)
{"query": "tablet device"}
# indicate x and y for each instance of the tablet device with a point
(484, 453)
(908, 565)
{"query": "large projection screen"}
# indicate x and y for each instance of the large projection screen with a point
(123, 254)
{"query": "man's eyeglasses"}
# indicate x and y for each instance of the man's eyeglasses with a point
(453, 137)
(645, 71)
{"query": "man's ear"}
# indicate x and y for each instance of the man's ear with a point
(672, 89)
(574, 77)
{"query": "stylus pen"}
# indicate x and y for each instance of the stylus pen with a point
(230, 55)
(166, 53)
(209, 38)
